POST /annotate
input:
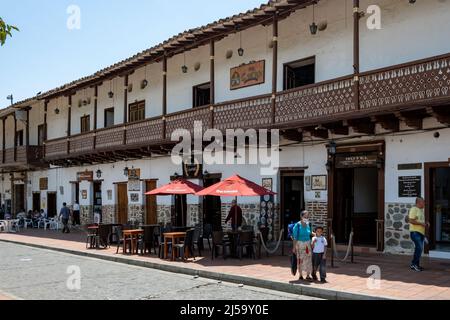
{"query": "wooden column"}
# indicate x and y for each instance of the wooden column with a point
(212, 87)
(69, 123)
(164, 98)
(274, 64)
(212, 71)
(15, 137)
(125, 108)
(125, 99)
(356, 65)
(27, 130)
(95, 114)
(3, 138)
(45, 119)
(164, 102)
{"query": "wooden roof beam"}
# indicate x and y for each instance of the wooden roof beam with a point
(388, 122)
(364, 126)
(441, 113)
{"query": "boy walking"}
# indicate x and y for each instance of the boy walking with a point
(319, 245)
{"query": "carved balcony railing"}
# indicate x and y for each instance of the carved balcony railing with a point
(317, 101)
(82, 143)
(56, 148)
(109, 137)
(416, 83)
(255, 112)
(406, 84)
(22, 156)
(186, 120)
(143, 131)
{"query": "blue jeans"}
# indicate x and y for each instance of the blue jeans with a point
(418, 240)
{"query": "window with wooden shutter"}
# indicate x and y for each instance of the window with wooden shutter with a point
(137, 111)
(85, 124)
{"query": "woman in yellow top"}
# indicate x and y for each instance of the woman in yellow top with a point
(417, 227)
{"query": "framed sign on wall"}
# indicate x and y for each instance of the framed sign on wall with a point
(247, 75)
(319, 182)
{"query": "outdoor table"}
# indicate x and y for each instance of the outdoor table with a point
(133, 235)
(173, 236)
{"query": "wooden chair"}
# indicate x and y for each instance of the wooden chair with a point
(219, 242)
(185, 249)
(246, 240)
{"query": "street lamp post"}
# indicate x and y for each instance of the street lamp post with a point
(11, 98)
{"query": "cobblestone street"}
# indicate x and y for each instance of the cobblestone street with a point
(40, 274)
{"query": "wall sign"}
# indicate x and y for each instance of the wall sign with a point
(247, 75)
(85, 176)
(356, 161)
(134, 173)
(267, 183)
(134, 197)
(134, 185)
(318, 182)
(409, 187)
(84, 194)
(109, 194)
(43, 184)
(410, 166)
(192, 170)
(308, 183)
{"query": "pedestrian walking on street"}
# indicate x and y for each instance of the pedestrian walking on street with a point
(319, 245)
(76, 214)
(417, 225)
(65, 214)
(302, 243)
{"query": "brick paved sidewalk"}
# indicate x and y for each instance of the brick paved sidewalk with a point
(398, 281)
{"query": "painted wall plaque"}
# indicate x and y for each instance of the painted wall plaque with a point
(319, 182)
(247, 75)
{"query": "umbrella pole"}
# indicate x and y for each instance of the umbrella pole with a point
(235, 213)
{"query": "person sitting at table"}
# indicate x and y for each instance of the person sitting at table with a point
(235, 215)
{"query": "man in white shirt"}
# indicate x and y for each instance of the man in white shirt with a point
(76, 214)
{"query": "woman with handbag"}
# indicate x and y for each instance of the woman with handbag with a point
(302, 243)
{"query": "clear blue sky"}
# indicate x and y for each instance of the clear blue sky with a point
(46, 54)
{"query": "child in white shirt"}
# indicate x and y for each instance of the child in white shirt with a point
(319, 245)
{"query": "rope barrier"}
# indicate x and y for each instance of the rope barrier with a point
(276, 247)
(349, 247)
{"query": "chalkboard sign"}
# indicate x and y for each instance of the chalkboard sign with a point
(410, 187)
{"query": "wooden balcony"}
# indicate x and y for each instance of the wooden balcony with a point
(21, 158)
(384, 92)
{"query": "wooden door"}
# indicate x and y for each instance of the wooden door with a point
(150, 203)
(122, 203)
(36, 201)
(52, 210)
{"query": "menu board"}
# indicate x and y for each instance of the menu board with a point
(409, 187)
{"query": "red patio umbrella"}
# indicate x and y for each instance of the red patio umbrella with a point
(176, 187)
(233, 187)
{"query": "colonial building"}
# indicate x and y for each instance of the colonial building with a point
(362, 112)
